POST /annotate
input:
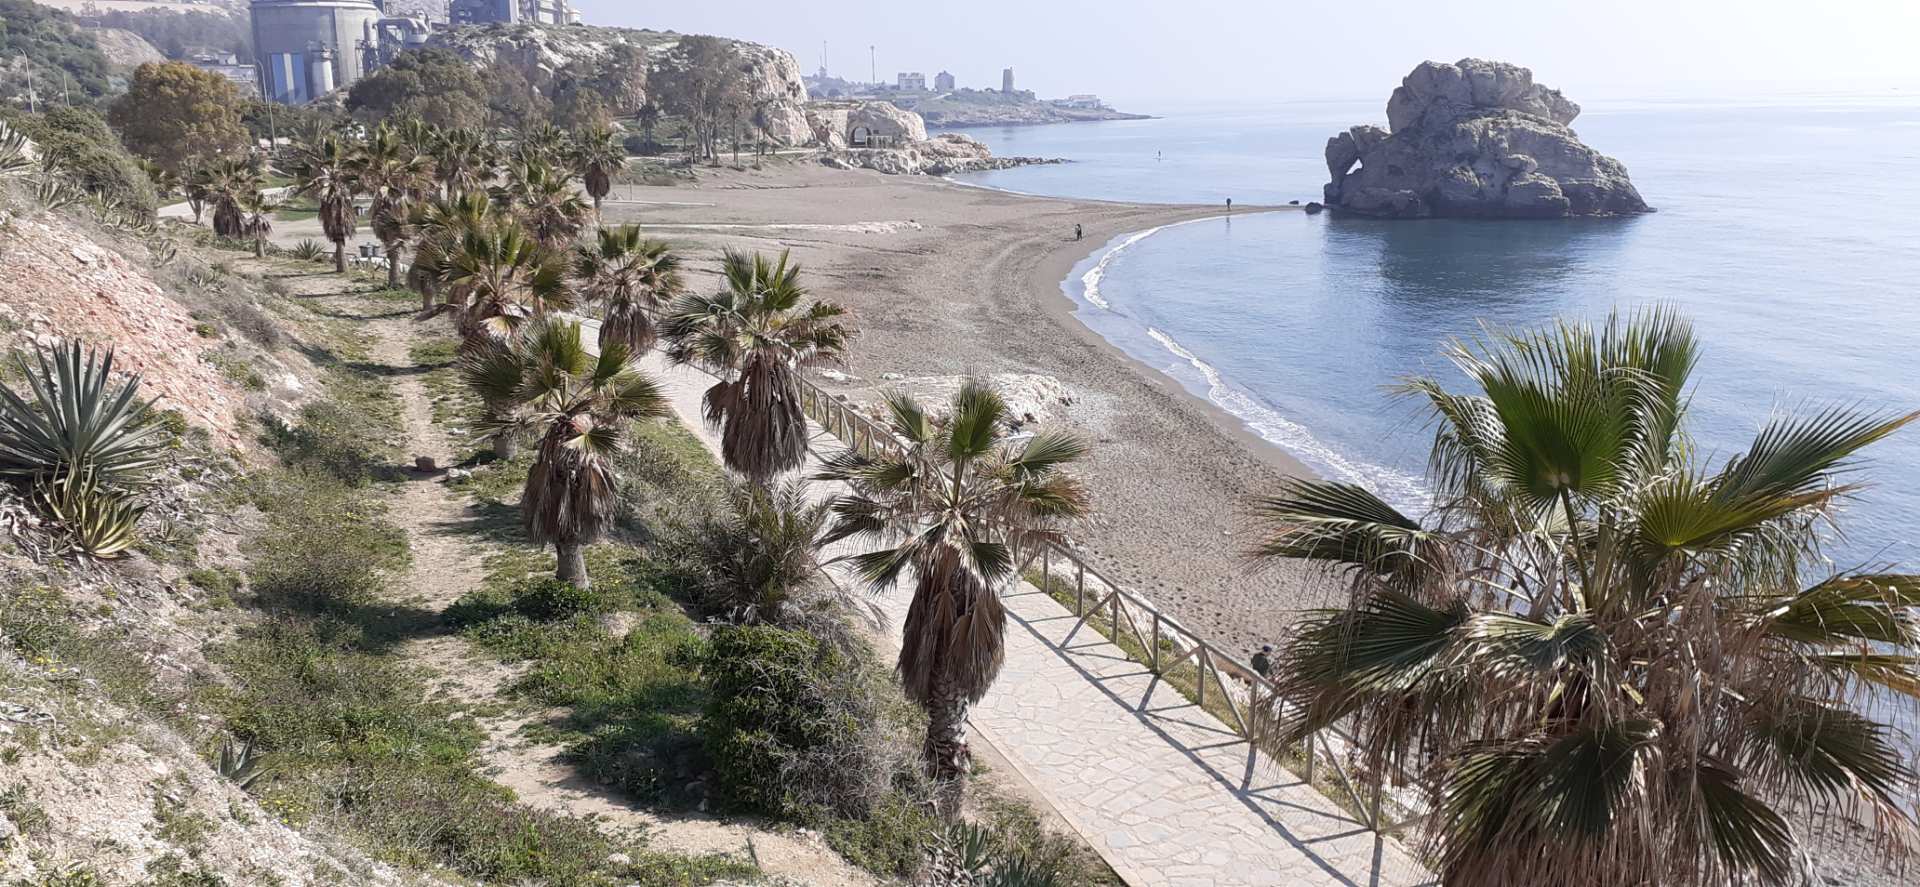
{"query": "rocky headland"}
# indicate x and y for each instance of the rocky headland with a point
(1475, 139)
(885, 138)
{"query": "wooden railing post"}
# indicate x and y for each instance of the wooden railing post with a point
(1154, 651)
(1079, 588)
(1203, 674)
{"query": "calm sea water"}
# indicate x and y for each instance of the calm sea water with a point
(1788, 230)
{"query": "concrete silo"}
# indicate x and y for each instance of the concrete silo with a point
(308, 48)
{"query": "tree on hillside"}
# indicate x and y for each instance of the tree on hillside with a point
(66, 64)
(956, 511)
(328, 172)
(632, 278)
(178, 33)
(1611, 662)
(757, 335)
(512, 101)
(174, 114)
(579, 408)
(433, 85)
(706, 81)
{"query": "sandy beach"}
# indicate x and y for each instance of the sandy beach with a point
(946, 280)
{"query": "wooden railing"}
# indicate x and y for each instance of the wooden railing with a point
(1210, 676)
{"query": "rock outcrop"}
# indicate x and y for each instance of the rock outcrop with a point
(1475, 139)
(941, 155)
(537, 51)
(838, 125)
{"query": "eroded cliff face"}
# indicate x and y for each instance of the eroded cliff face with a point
(540, 50)
(1475, 139)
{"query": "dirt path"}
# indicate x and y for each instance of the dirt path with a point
(448, 563)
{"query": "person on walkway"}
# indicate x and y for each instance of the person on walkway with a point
(1263, 661)
(1076, 231)
(1229, 204)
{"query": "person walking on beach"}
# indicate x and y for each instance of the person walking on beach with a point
(1076, 230)
(1229, 204)
(1263, 661)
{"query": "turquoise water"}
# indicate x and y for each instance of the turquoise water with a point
(1788, 230)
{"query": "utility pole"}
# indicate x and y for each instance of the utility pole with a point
(32, 105)
(873, 69)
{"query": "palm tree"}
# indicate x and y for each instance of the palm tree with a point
(328, 172)
(258, 220)
(1614, 663)
(224, 185)
(394, 174)
(508, 279)
(579, 407)
(439, 226)
(464, 160)
(546, 202)
(760, 553)
(649, 118)
(955, 509)
(632, 277)
(599, 155)
(757, 336)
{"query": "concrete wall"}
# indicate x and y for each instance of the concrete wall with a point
(287, 32)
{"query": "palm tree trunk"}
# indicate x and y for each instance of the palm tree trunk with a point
(393, 266)
(945, 750)
(573, 564)
(259, 247)
(427, 296)
(505, 446)
(339, 257)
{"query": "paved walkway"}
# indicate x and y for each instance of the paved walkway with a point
(1165, 792)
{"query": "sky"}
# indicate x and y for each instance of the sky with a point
(1160, 52)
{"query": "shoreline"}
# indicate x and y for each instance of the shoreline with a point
(948, 279)
(1065, 312)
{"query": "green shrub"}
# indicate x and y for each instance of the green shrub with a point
(794, 727)
(84, 148)
(347, 442)
(547, 599)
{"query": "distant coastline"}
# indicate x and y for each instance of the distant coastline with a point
(944, 122)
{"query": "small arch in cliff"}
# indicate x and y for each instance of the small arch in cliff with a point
(859, 136)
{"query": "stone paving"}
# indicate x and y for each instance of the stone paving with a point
(1161, 789)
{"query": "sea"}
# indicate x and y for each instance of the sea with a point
(1788, 231)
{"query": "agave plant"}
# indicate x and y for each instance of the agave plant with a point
(78, 423)
(239, 762)
(547, 384)
(1611, 663)
(309, 250)
(16, 153)
(757, 335)
(968, 855)
(633, 278)
(952, 511)
(99, 521)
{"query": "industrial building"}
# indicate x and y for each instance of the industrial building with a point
(911, 82)
(308, 48)
(540, 12)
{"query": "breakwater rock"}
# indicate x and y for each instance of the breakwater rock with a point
(1475, 139)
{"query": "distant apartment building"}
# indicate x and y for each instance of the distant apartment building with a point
(1082, 102)
(943, 82)
(914, 82)
(1006, 81)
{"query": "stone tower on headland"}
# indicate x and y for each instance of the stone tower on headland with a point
(1006, 81)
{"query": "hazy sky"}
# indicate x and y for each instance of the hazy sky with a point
(1153, 51)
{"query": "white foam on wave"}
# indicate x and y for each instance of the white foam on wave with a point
(1397, 487)
(1090, 281)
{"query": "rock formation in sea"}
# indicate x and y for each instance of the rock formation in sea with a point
(1475, 139)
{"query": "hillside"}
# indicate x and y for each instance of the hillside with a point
(972, 107)
(540, 50)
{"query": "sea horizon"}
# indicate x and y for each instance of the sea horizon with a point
(1331, 311)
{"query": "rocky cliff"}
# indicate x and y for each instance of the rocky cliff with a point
(1475, 139)
(540, 50)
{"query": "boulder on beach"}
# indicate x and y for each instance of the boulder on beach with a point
(1475, 139)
